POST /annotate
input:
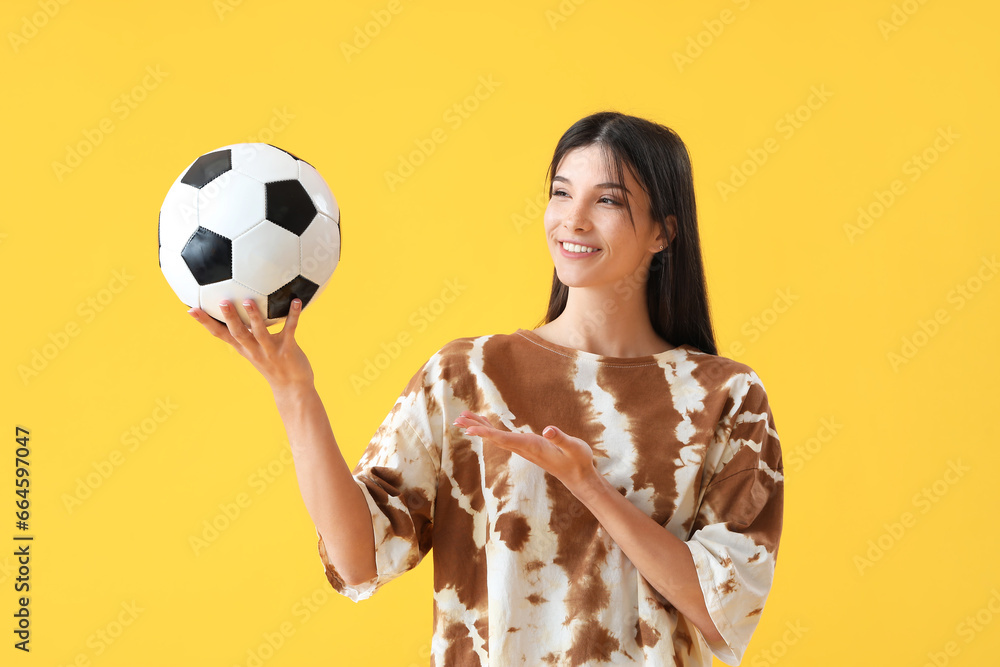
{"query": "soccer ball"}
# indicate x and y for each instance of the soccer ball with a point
(249, 221)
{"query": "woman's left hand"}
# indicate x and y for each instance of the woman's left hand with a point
(568, 459)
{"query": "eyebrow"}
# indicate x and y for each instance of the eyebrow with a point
(618, 186)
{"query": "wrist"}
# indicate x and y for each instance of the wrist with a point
(592, 486)
(293, 391)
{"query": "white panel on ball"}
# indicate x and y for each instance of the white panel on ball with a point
(320, 249)
(178, 276)
(178, 216)
(234, 292)
(319, 192)
(264, 163)
(265, 257)
(231, 204)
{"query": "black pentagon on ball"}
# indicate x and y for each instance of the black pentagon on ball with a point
(279, 301)
(289, 206)
(209, 256)
(208, 167)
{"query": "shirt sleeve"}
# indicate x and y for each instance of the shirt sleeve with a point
(398, 474)
(735, 534)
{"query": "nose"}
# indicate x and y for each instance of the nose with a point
(576, 217)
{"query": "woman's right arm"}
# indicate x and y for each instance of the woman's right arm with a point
(332, 497)
(334, 500)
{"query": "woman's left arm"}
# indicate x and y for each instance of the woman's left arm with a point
(644, 542)
(661, 557)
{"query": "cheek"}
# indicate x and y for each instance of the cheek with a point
(549, 220)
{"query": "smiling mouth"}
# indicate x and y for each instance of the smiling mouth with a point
(577, 249)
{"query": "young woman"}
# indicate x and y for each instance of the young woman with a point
(603, 488)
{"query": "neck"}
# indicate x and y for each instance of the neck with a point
(608, 320)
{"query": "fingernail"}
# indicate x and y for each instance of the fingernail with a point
(223, 305)
(193, 314)
(296, 303)
(549, 432)
(248, 303)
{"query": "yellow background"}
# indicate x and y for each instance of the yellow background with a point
(816, 311)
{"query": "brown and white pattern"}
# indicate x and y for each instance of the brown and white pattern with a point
(523, 572)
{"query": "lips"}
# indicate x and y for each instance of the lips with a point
(578, 255)
(571, 241)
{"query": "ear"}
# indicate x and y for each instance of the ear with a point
(670, 224)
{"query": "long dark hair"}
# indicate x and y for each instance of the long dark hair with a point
(659, 161)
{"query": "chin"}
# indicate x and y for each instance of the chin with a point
(574, 280)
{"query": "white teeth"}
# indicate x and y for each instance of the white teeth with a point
(572, 247)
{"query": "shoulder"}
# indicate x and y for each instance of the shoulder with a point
(454, 371)
(460, 356)
(468, 349)
(748, 395)
(734, 378)
(719, 370)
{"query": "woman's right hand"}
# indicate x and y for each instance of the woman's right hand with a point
(277, 356)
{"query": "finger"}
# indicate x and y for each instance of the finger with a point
(520, 443)
(237, 329)
(481, 419)
(467, 421)
(214, 326)
(292, 320)
(474, 422)
(260, 331)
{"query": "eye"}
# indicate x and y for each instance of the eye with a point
(556, 192)
(609, 200)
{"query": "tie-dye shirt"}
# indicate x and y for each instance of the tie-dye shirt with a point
(524, 574)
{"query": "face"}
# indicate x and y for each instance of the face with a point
(587, 208)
